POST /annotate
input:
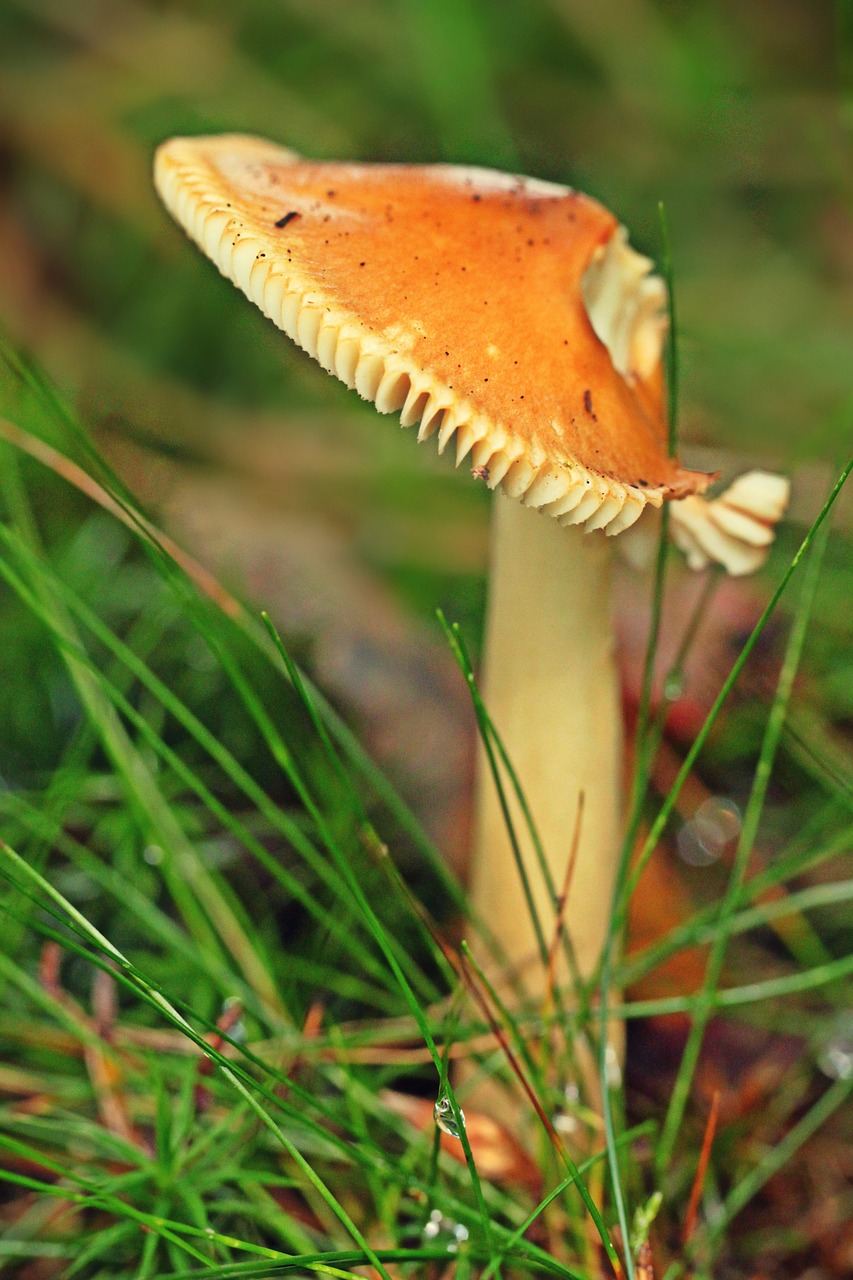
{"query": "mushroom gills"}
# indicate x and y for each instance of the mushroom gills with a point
(626, 306)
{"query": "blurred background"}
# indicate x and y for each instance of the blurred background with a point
(734, 113)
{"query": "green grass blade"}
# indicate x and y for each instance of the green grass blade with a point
(773, 1161)
(668, 805)
(743, 853)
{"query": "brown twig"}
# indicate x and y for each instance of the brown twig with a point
(645, 1267)
(232, 1012)
(701, 1169)
(97, 1049)
(104, 1004)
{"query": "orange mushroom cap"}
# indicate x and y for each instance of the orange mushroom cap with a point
(465, 299)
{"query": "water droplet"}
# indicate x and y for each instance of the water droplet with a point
(153, 855)
(703, 839)
(444, 1117)
(442, 1230)
(673, 686)
(564, 1120)
(835, 1056)
(612, 1068)
(237, 1029)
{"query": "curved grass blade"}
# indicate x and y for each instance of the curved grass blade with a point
(743, 853)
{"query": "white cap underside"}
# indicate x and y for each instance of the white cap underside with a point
(734, 530)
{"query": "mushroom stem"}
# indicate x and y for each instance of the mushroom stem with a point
(551, 687)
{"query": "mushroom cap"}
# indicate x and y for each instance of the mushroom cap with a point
(503, 311)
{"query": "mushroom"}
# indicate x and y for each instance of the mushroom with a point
(734, 529)
(510, 317)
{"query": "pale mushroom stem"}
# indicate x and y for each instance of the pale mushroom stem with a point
(551, 687)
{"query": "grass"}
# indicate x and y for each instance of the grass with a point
(187, 1093)
(232, 982)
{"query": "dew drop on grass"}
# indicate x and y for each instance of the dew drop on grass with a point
(835, 1056)
(441, 1230)
(236, 1028)
(612, 1068)
(444, 1117)
(565, 1120)
(703, 839)
(673, 687)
